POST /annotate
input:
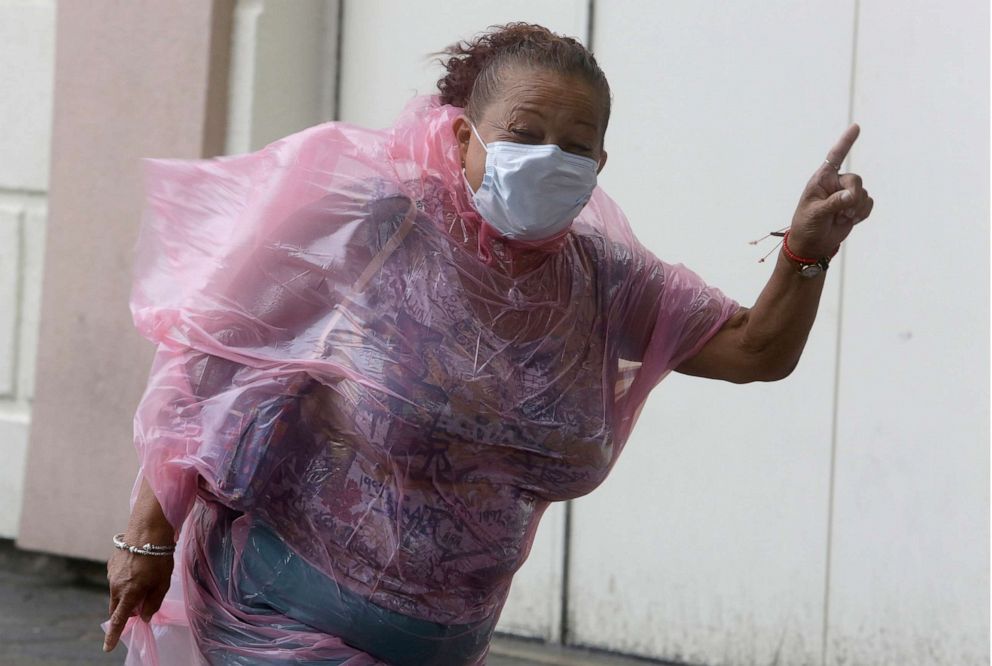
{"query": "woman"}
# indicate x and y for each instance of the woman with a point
(382, 354)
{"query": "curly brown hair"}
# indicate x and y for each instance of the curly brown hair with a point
(473, 68)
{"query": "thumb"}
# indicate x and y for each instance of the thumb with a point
(837, 201)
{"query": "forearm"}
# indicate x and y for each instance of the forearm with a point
(148, 523)
(765, 342)
(778, 325)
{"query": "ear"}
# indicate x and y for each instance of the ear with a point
(463, 135)
(602, 161)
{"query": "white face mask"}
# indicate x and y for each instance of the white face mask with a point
(532, 192)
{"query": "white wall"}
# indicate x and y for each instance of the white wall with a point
(282, 76)
(707, 544)
(387, 45)
(27, 49)
(910, 574)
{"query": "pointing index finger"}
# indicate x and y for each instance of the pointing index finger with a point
(839, 152)
(125, 609)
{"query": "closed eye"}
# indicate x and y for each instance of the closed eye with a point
(524, 134)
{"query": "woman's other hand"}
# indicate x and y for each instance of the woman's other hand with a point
(831, 204)
(138, 584)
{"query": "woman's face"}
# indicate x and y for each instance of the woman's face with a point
(535, 106)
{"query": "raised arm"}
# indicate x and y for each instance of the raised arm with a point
(765, 342)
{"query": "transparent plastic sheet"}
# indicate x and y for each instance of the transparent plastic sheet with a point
(355, 411)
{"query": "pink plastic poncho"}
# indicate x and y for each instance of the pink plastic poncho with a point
(354, 405)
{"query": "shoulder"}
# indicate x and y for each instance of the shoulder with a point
(604, 233)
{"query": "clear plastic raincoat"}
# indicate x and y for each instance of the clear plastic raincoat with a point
(356, 413)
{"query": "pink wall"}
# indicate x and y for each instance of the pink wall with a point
(132, 79)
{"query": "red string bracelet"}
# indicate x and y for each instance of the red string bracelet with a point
(801, 260)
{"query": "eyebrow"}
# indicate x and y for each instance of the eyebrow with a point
(533, 109)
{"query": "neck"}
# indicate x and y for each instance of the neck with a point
(506, 256)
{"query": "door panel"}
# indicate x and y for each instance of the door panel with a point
(708, 542)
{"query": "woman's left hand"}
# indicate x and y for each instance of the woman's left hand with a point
(831, 204)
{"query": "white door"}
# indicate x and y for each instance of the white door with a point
(707, 544)
(910, 575)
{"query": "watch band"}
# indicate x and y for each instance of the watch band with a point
(807, 267)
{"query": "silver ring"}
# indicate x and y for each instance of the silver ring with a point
(834, 166)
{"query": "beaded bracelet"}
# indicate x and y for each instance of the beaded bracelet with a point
(147, 549)
(802, 260)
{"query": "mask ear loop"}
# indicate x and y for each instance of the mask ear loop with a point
(478, 136)
(484, 235)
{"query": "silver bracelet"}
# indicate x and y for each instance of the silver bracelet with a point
(147, 549)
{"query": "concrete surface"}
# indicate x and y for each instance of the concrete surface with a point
(51, 609)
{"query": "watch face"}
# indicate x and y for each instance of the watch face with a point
(810, 270)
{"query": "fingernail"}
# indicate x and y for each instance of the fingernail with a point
(846, 196)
